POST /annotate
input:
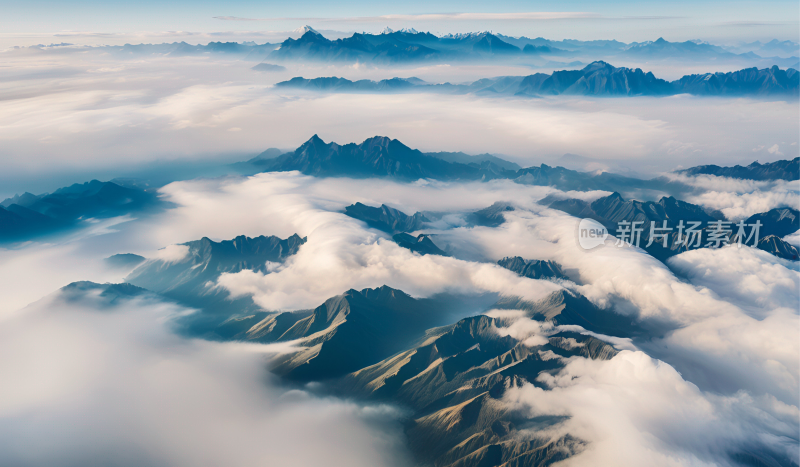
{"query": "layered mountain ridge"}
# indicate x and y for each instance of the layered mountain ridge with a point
(597, 79)
(409, 45)
(29, 216)
(190, 279)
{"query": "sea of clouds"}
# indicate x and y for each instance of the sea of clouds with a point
(718, 376)
(67, 115)
(90, 383)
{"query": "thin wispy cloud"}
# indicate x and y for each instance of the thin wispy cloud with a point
(517, 16)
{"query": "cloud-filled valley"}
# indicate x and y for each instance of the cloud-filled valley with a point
(110, 117)
(700, 322)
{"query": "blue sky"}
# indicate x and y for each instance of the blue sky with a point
(627, 20)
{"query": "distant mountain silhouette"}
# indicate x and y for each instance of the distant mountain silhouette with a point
(387, 219)
(409, 45)
(375, 157)
(421, 244)
(779, 170)
(750, 82)
(474, 161)
(394, 47)
(269, 67)
(491, 216)
(190, 280)
(596, 79)
(533, 268)
(124, 260)
(28, 216)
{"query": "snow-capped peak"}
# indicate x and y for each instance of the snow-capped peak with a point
(387, 30)
(463, 35)
(306, 29)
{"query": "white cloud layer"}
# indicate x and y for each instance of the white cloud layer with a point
(89, 385)
(739, 199)
(638, 411)
(731, 326)
(98, 113)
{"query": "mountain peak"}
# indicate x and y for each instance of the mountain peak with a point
(306, 29)
(377, 141)
(598, 65)
(313, 141)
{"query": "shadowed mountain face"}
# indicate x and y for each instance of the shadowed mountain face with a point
(395, 47)
(779, 248)
(381, 344)
(375, 157)
(750, 81)
(454, 379)
(779, 221)
(533, 268)
(348, 332)
(565, 307)
(779, 170)
(491, 216)
(383, 157)
(613, 209)
(29, 216)
(421, 244)
(380, 156)
(387, 219)
(596, 79)
(190, 279)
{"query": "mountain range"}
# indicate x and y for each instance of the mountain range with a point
(612, 209)
(533, 268)
(391, 47)
(387, 219)
(778, 247)
(410, 45)
(448, 372)
(381, 156)
(383, 345)
(27, 216)
(375, 157)
(596, 79)
(372, 344)
(421, 244)
(779, 170)
(446, 360)
(189, 279)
